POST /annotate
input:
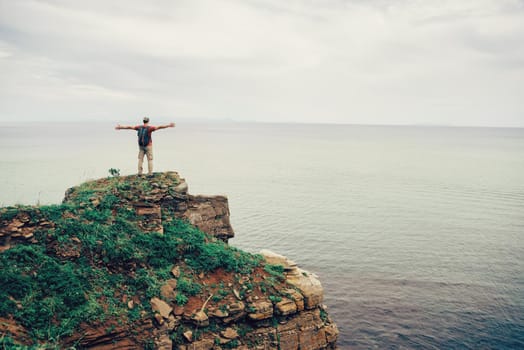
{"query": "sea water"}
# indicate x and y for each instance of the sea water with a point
(416, 233)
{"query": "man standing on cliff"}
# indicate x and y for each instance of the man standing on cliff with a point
(145, 142)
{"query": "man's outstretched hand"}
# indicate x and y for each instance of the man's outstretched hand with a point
(171, 125)
(121, 127)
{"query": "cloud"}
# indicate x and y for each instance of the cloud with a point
(374, 61)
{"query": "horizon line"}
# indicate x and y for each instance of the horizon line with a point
(235, 121)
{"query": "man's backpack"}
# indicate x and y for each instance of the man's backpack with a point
(143, 135)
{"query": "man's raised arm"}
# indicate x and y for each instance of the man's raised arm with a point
(170, 125)
(120, 127)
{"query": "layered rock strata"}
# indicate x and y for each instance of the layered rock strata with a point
(297, 320)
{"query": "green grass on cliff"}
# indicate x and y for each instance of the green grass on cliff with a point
(131, 187)
(95, 259)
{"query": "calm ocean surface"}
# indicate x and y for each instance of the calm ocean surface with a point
(417, 233)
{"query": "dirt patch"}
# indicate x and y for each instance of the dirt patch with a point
(217, 276)
(14, 330)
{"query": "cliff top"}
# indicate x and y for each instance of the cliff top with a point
(131, 187)
(140, 263)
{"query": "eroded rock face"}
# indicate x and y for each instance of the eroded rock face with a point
(167, 194)
(210, 214)
(21, 227)
(113, 337)
(294, 320)
(305, 282)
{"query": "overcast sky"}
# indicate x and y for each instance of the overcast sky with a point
(458, 62)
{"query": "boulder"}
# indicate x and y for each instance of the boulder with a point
(161, 307)
(309, 287)
(181, 188)
(167, 291)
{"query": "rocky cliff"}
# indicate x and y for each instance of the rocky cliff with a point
(139, 263)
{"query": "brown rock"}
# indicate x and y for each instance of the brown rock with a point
(296, 297)
(172, 322)
(210, 214)
(309, 286)
(223, 341)
(163, 342)
(262, 310)
(204, 344)
(188, 335)
(159, 319)
(14, 226)
(229, 333)
(263, 337)
(218, 313)
(172, 282)
(99, 338)
(233, 318)
(178, 310)
(331, 333)
(312, 339)
(288, 340)
(27, 234)
(175, 271)
(277, 259)
(181, 188)
(148, 210)
(236, 307)
(236, 311)
(237, 294)
(286, 307)
(161, 307)
(167, 291)
(200, 319)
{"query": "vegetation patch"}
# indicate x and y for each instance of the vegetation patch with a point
(275, 270)
(94, 259)
(92, 267)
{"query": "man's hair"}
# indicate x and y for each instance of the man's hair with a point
(146, 120)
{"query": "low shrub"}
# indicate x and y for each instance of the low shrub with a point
(275, 270)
